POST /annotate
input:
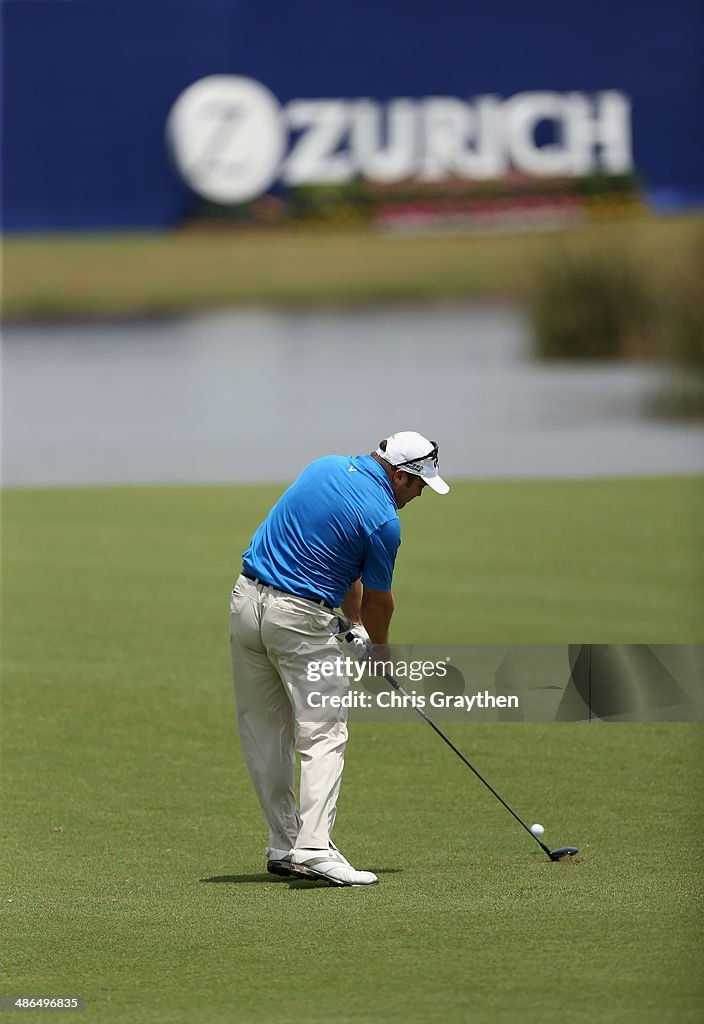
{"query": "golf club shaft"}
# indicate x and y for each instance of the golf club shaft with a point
(441, 734)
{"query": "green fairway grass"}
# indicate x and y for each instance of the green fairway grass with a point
(130, 275)
(133, 861)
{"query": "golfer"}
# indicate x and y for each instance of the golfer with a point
(330, 541)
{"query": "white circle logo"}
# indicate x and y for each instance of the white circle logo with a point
(228, 137)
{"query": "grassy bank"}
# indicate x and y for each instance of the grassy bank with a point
(133, 846)
(134, 275)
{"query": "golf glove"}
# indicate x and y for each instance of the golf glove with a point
(355, 639)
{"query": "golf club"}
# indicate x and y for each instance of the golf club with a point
(560, 854)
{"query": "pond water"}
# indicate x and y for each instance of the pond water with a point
(254, 395)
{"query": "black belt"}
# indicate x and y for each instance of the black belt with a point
(315, 600)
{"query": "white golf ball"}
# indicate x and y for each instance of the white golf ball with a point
(537, 830)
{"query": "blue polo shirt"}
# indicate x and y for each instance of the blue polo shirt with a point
(337, 522)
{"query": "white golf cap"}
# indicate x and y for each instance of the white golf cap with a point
(413, 453)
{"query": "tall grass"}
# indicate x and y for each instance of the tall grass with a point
(592, 304)
(613, 304)
(682, 339)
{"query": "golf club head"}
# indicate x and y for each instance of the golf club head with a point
(563, 852)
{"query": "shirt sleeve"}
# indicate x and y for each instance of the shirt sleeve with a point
(380, 555)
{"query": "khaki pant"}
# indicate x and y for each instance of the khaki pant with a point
(274, 639)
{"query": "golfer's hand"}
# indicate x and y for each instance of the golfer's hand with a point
(379, 659)
(357, 641)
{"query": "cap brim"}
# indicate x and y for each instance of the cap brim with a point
(437, 483)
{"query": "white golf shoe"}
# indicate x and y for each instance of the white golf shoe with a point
(329, 866)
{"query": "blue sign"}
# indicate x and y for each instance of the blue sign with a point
(125, 113)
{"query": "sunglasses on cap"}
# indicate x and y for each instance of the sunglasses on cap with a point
(417, 463)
